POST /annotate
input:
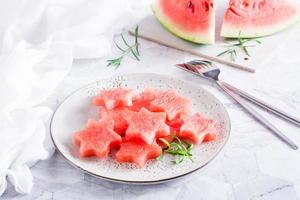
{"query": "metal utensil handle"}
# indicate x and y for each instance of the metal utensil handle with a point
(258, 117)
(263, 104)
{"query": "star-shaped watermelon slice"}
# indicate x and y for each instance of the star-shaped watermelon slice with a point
(118, 117)
(198, 128)
(146, 96)
(97, 139)
(172, 103)
(115, 97)
(137, 152)
(146, 126)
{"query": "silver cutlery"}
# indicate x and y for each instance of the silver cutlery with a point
(208, 70)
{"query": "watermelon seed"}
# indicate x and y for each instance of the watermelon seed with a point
(206, 6)
(192, 6)
(245, 3)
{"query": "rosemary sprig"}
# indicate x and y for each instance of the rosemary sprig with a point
(243, 44)
(178, 148)
(129, 49)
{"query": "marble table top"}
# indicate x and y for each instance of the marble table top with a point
(253, 165)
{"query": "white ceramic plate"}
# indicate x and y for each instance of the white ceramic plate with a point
(73, 113)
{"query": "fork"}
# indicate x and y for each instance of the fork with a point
(210, 71)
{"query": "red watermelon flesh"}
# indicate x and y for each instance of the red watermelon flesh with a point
(137, 152)
(209, 137)
(256, 18)
(168, 138)
(172, 103)
(146, 126)
(115, 97)
(163, 130)
(175, 124)
(196, 127)
(97, 139)
(118, 117)
(192, 20)
(146, 96)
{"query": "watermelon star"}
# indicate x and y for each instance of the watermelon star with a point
(115, 97)
(146, 96)
(171, 103)
(146, 126)
(137, 152)
(97, 139)
(118, 117)
(197, 128)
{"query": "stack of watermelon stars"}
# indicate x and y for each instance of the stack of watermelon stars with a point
(132, 122)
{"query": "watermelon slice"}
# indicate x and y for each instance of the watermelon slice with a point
(175, 124)
(118, 117)
(146, 96)
(97, 139)
(256, 18)
(115, 97)
(172, 103)
(137, 152)
(209, 137)
(167, 138)
(146, 126)
(192, 20)
(196, 127)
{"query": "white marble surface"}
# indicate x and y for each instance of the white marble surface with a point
(253, 165)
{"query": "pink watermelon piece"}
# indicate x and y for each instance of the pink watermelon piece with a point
(146, 126)
(167, 138)
(175, 124)
(192, 20)
(256, 18)
(172, 103)
(209, 137)
(115, 97)
(137, 152)
(146, 96)
(163, 130)
(97, 139)
(118, 117)
(196, 127)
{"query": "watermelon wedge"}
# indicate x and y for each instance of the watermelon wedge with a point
(118, 117)
(192, 20)
(115, 98)
(137, 152)
(172, 103)
(196, 127)
(97, 139)
(257, 18)
(146, 126)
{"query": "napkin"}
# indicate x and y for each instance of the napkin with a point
(38, 42)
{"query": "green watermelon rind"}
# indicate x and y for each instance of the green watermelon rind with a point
(230, 31)
(208, 38)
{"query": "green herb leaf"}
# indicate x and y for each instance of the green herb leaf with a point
(180, 149)
(165, 141)
(224, 52)
(160, 157)
(130, 49)
(242, 44)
